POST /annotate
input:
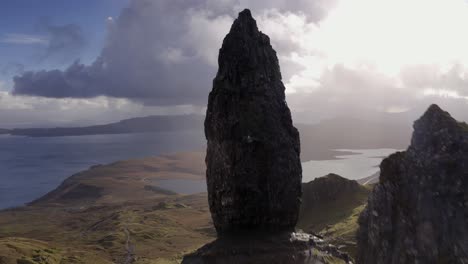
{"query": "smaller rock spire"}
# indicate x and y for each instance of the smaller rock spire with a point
(434, 119)
(418, 213)
(246, 15)
(436, 132)
(245, 24)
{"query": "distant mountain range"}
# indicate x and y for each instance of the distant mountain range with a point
(132, 125)
(318, 141)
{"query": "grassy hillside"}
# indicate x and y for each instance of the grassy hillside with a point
(156, 231)
(125, 181)
(331, 206)
(108, 214)
(132, 125)
(112, 214)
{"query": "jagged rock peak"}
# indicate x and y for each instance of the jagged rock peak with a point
(247, 58)
(418, 213)
(434, 119)
(253, 167)
(245, 23)
(436, 132)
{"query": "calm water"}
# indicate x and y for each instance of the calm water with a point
(31, 167)
(362, 163)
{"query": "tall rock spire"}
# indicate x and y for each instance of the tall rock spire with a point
(253, 171)
(253, 167)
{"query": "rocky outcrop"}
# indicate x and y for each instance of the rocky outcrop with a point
(418, 213)
(328, 200)
(277, 248)
(253, 167)
(329, 188)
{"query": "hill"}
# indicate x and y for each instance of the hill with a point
(318, 141)
(132, 125)
(331, 206)
(125, 181)
(117, 213)
(113, 213)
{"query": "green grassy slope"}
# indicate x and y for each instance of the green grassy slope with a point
(331, 206)
(108, 214)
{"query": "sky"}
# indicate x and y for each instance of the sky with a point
(94, 61)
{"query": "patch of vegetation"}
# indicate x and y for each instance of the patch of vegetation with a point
(344, 233)
(326, 259)
(329, 200)
(331, 207)
(154, 225)
(464, 126)
(158, 190)
(106, 233)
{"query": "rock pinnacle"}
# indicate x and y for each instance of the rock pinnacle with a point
(253, 167)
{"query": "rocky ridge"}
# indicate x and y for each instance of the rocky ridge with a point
(418, 213)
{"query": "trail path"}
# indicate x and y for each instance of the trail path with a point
(129, 247)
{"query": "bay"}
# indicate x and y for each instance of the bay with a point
(30, 167)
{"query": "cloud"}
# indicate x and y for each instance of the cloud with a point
(64, 42)
(337, 57)
(61, 43)
(12, 68)
(24, 39)
(157, 52)
(365, 58)
(33, 111)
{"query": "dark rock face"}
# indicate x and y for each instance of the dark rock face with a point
(251, 249)
(418, 213)
(253, 167)
(278, 248)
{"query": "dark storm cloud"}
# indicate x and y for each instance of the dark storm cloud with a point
(157, 52)
(64, 41)
(146, 58)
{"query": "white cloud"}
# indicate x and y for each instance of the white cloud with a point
(376, 55)
(336, 57)
(24, 39)
(32, 111)
(205, 33)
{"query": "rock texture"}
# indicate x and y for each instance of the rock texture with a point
(418, 213)
(278, 248)
(253, 167)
